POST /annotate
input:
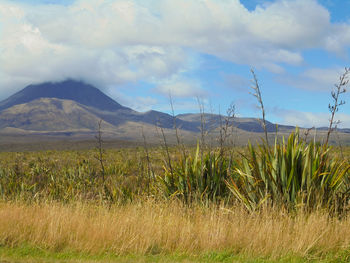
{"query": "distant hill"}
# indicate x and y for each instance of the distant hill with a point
(74, 108)
(213, 121)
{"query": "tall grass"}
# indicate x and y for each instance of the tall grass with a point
(70, 176)
(290, 173)
(157, 227)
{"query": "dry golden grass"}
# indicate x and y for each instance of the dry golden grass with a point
(154, 227)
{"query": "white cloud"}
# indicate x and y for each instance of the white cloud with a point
(327, 77)
(111, 42)
(291, 24)
(314, 79)
(135, 102)
(28, 54)
(141, 104)
(311, 119)
(180, 88)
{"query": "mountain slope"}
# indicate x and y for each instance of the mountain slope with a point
(89, 98)
(76, 106)
(49, 114)
(69, 90)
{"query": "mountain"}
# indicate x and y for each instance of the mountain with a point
(87, 98)
(49, 114)
(77, 91)
(74, 108)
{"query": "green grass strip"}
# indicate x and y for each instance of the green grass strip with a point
(30, 254)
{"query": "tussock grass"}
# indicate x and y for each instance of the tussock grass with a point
(157, 227)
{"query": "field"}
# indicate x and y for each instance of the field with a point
(283, 202)
(158, 229)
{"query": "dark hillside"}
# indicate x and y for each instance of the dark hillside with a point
(77, 91)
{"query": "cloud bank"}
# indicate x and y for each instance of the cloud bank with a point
(312, 119)
(117, 42)
(313, 79)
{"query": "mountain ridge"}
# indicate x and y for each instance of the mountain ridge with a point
(74, 106)
(90, 99)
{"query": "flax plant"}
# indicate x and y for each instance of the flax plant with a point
(293, 173)
(197, 178)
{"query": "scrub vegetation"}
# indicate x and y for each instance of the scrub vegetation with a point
(286, 199)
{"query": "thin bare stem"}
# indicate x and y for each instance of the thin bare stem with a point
(178, 139)
(166, 150)
(257, 94)
(339, 142)
(149, 167)
(340, 88)
(202, 144)
(307, 132)
(225, 125)
(100, 150)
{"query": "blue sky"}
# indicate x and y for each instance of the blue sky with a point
(139, 52)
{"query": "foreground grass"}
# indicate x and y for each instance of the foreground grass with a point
(32, 254)
(56, 208)
(168, 232)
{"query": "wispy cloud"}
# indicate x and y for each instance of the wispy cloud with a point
(310, 119)
(180, 87)
(122, 41)
(314, 79)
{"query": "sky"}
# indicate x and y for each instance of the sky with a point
(141, 52)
